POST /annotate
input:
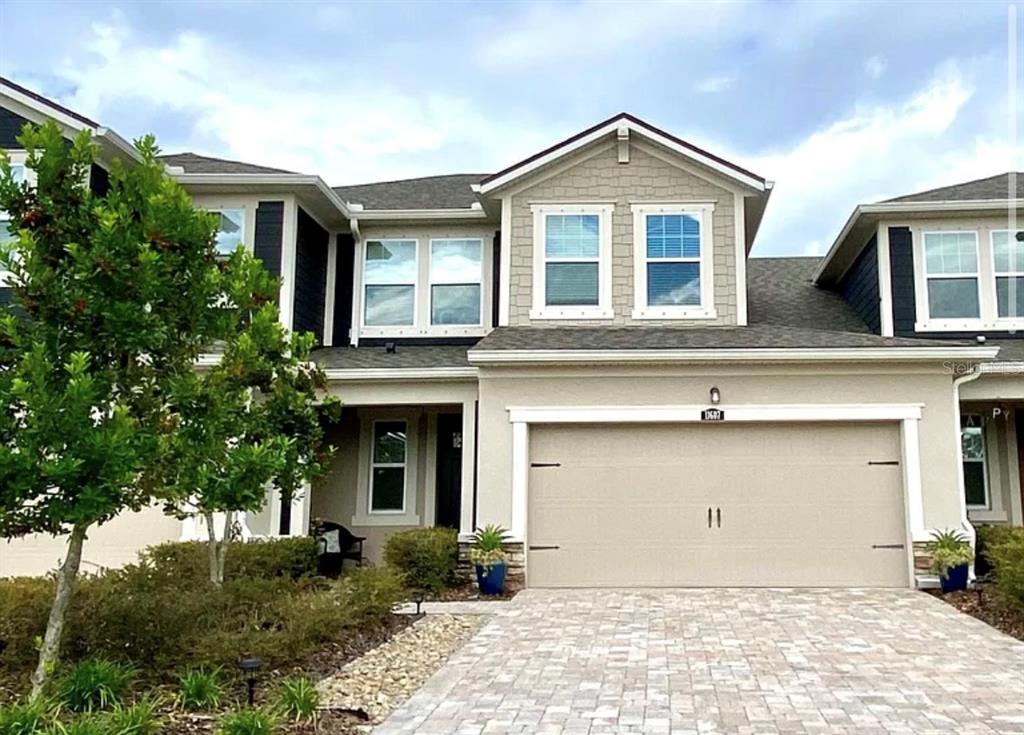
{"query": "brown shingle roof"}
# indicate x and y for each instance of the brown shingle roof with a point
(452, 191)
(193, 163)
(992, 187)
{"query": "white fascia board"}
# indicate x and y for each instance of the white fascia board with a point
(473, 213)
(44, 109)
(613, 126)
(275, 180)
(438, 373)
(884, 208)
(845, 354)
(1002, 368)
(110, 140)
(733, 413)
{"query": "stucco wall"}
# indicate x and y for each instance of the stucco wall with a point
(114, 544)
(597, 176)
(659, 386)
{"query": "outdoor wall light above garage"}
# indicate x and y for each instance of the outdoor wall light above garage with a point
(715, 395)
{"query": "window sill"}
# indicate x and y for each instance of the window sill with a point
(674, 313)
(452, 331)
(969, 325)
(385, 519)
(554, 312)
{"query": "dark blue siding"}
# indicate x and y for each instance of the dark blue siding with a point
(860, 287)
(901, 265)
(343, 289)
(310, 276)
(267, 238)
(99, 180)
(10, 128)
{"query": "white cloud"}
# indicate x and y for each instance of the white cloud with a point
(304, 118)
(875, 153)
(715, 84)
(875, 66)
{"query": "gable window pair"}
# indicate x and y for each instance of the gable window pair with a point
(573, 261)
(454, 279)
(968, 283)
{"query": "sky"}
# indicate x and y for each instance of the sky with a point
(838, 103)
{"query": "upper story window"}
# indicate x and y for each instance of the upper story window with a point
(1008, 264)
(672, 249)
(572, 261)
(390, 277)
(230, 229)
(423, 286)
(7, 233)
(951, 266)
(969, 280)
(456, 275)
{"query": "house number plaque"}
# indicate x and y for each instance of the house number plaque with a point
(712, 414)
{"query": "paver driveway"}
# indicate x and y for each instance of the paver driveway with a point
(725, 661)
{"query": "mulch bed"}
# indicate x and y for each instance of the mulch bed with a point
(468, 590)
(987, 607)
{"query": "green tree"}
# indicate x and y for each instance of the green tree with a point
(115, 299)
(251, 420)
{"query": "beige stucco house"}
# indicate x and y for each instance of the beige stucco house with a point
(580, 349)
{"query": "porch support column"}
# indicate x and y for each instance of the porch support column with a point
(468, 468)
(912, 479)
(299, 521)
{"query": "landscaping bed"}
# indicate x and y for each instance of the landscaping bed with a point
(989, 608)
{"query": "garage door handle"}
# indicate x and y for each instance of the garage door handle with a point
(887, 546)
(718, 516)
(544, 548)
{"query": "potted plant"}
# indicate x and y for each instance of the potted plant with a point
(489, 557)
(951, 553)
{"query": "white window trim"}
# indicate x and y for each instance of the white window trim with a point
(16, 158)
(374, 464)
(987, 505)
(989, 319)
(214, 204)
(394, 330)
(1006, 322)
(364, 515)
(431, 283)
(604, 309)
(706, 309)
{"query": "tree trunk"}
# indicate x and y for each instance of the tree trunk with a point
(217, 551)
(66, 575)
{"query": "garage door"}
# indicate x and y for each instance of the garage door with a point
(716, 505)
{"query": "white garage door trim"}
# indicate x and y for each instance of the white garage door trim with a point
(908, 414)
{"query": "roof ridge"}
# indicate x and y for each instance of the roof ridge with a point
(934, 189)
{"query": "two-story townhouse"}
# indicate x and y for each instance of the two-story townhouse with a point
(580, 349)
(948, 263)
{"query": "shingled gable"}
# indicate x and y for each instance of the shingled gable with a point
(613, 125)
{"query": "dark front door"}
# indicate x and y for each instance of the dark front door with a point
(449, 469)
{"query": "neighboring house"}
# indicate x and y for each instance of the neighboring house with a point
(580, 349)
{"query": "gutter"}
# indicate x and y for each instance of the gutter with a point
(437, 373)
(474, 212)
(854, 354)
(264, 180)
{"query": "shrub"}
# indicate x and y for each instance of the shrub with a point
(87, 725)
(292, 558)
(426, 557)
(368, 595)
(136, 719)
(23, 718)
(94, 684)
(24, 607)
(949, 549)
(488, 546)
(249, 722)
(1005, 551)
(199, 689)
(298, 698)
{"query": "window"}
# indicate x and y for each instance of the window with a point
(390, 277)
(387, 468)
(230, 229)
(572, 269)
(455, 282)
(1008, 265)
(7, 234)
(951, 273)
(672, 261)
(972, 440)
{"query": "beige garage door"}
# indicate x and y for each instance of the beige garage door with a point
(716, 505)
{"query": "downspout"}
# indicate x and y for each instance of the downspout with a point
(357, 274)
(965, 522)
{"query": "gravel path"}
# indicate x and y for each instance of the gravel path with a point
(386, 676)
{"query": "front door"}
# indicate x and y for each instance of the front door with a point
(449, 470)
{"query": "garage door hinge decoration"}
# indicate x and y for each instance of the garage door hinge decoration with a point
(883, 462)
(545, 464)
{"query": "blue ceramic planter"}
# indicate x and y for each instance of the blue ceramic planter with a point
(491, 579)
(955, 579)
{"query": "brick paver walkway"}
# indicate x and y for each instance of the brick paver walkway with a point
(725, 661)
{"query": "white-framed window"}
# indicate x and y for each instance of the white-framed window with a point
(951, 268)
(390, 271)
(673, 261)
(972, 440)
(230, 229)
(572, 261)
(456, 282)
(7, 234)
(1008, 269)
(388, 467)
